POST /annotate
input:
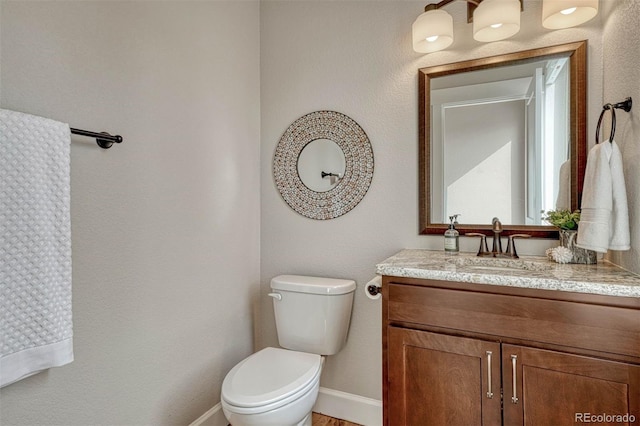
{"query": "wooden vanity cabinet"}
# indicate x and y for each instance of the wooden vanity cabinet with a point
(469, 354)
(438, 379)
(553, 387)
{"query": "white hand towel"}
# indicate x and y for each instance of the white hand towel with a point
(597, 200)
(604, 219)
(619, 224)
(563, 200)
(35, 245)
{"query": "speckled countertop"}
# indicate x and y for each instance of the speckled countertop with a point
(535, 272)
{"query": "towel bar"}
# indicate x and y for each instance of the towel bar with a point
(103, 139)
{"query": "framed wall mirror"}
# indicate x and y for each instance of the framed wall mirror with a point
(503, 136)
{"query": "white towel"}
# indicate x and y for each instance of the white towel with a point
(563, 201)
(619, 224)
(604, 219)
(35, 245)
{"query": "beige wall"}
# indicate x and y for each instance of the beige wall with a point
(165, 226)
(622, 79)
(355, 57)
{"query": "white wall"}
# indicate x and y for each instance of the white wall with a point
(621, 77)
(355, 57)
(166, 225)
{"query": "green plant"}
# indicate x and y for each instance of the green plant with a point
(563, 219)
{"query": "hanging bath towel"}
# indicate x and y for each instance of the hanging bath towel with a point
(35, 245)
(604, 220)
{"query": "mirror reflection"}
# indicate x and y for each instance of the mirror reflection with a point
(500, 139)
(503, 136)
(321, 165)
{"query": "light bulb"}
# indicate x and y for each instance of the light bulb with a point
(496, 25)
(432, 38)
(568, 11)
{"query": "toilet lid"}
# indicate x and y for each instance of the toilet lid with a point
(269, 376)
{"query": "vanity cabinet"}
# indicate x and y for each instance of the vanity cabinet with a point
(438, 379)
(551, 388)
(470, 354)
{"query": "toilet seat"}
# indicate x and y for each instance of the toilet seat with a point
(269, 379)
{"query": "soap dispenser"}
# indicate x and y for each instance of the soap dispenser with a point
(451, 237)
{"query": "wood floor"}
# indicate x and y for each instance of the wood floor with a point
(322, 420)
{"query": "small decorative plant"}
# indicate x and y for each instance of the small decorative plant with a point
(568, 251)
(563, 219)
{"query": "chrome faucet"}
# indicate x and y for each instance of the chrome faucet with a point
(496, 251)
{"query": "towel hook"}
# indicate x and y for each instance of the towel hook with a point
(624, 105)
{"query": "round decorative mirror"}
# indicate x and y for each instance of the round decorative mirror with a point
(323, 165)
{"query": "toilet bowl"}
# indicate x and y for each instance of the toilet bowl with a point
(272, 387)
(279, 387)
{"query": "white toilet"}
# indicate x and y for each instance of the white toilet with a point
(279, 386)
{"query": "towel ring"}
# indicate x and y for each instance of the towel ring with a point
(624, 105)
(613, 122)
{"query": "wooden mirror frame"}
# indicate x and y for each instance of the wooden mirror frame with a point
(577, 53)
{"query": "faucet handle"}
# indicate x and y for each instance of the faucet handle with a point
(484, 249)
(511, 245)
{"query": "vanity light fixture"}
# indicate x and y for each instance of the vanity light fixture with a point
(494, 20)
(557, 14)
(432, 31)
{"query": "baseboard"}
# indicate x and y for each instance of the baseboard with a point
(341, 405)
(213, 417)
(347, 406)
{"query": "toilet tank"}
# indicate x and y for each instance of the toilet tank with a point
(312, 313)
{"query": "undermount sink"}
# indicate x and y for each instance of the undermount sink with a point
(501, 264)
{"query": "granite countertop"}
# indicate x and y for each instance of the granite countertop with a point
(536, 272)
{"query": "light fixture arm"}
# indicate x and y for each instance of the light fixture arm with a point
(434, 6)
(471, 7)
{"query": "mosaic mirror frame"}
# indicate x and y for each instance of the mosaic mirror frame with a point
(358, 173)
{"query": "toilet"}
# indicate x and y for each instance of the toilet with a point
(279, 386)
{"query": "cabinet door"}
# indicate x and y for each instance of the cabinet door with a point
(436, 379)
(555, 388)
